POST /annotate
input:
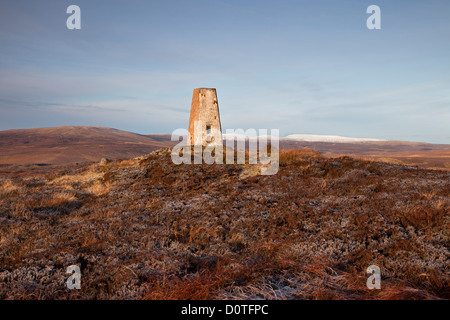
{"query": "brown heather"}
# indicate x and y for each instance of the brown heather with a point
(145, 228)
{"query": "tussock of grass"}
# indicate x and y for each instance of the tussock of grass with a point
(8, 186)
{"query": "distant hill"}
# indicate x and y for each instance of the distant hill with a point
(426, 155)
(72, 144)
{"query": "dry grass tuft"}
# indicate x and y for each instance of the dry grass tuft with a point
(8, 186)
(99, 188)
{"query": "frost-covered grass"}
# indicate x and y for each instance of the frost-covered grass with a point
(146, 228)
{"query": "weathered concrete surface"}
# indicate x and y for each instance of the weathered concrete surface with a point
(204, 108)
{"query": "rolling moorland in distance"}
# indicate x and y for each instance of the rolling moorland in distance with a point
(75, 144)
(141, 227)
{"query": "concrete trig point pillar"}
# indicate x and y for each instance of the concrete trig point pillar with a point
(204, 111)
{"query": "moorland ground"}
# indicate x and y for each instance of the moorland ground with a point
(144, 228)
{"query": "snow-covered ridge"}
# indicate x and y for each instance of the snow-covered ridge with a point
(302, 137)
(324, 138)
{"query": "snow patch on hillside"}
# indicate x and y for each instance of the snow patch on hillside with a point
(325, 138)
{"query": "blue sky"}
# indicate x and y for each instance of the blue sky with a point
(298, 66)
